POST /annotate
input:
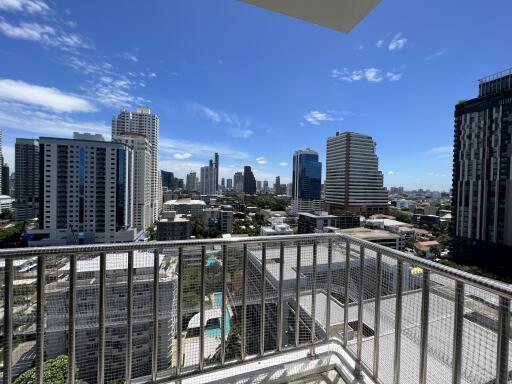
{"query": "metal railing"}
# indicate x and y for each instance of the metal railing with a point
(160, 311)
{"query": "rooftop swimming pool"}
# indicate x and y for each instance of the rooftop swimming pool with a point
(214, 330)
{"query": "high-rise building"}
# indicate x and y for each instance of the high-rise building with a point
(191, 182)
(306, 182)
(208, 179)
(265, 186)
(86, 191)
(482, 174)
(238, 180)
(258, 186)
(223, 184)
(249, 181)
(353, 180)
(141, 150)
(26, 182)
(229, 184)
(1, 162)
(145, 123)
(6, 182)
(277, 185)
(168, 180)
(216, 181)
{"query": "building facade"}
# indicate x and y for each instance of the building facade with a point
(6, 180)
(238, 180)
(249, 181)
(209, 182)
(26, 181)
(316, 222)
(353, 180)
(482, 175)
(145, 123)
(306, 180)
(191, 182)
(168, 180)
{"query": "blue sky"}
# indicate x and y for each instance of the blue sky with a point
(253, 85)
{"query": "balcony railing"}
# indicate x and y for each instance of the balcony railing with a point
(163, 311)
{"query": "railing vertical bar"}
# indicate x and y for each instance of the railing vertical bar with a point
(101, 317)
(503, 341)
(224, 293)
(244, 304)
(201, 309)
(8, 303)
(179, 325)
(313, 299)
(297, 297)
(72, 320)
(280, 299)
(156, 299)
(398, 321)
(129, 321)
(457, 332)
(425, 307)
(376, 338)
(329, 290)
(346, 294)
(360, 298)
(262, 312)
(41, 278)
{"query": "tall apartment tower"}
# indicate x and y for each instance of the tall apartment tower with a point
(86, 191)
(353, 180)
(168, 180)
(249, 181)
(216, 163)
(229, 184)
(141, 149)
(6, 181)
(238, 181)
(306, 181)
(1, 158)
(210, 177)
(26, 181)
(191, 182)
(482, 174)
(145, 123)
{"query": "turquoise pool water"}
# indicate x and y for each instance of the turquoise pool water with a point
(215, 329)
(212, 261)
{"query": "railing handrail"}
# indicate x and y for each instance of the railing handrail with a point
(488, 284)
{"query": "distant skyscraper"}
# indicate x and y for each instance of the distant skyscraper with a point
(223, 183)
(216, 163)
(6, 185)
(249, 181)
(191, 182)
(145, 123)
(238, 180)
(1, 162)
(353, 180)
(277, 185)
(482, 175)
(26, 182)
(92, 204)
(209, 177)
(306, 185)
(229, 184)
(141, 150)
(168, 180)
(258, 186)
(265, 186)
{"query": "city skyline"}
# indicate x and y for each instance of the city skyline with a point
(226, 93)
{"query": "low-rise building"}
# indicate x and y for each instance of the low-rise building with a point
(316, 222)
(277, 227)
(186, 206)
(173, 227)
(427, 249)
(377, 236)
(6, 202)
(220, 218)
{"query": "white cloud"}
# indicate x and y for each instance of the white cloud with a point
(46, 97)
(283, 164)
(391, 173)
(380, 44)
(152, 74)
(440, 150)
(261, 160)
(373, 75)
(29, 6)
(208, 112)
(317, 117)
(240, 133)
(43, 34)
(397, 42)
(237, 127)
(182, 156)
(435, 55)
(199, 149)
(131, 57)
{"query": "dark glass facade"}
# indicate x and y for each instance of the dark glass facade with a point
(307, 175)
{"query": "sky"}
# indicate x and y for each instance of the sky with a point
(224, 76)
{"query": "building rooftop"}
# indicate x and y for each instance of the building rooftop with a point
(370, 234)
(115, 261)
(186, 201)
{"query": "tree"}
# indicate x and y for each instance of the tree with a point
(55, 371)
(6, 214)
(151, 232)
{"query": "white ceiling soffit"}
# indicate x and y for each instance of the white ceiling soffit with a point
(341, 15)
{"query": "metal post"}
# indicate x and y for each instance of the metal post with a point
(129, 321)
(329, 290)
(201, 308)
(102, 303)
(457, 332)
(8, 303)
(72, 320)
(360, 298)
(297, 297)
(346, 299)
(224, 292)
(398, 320)
(376, 337)
(503, 340)
(41, 279)
(179, 311)
(244, 304)
(156, 299)
(280, 299)
(262, 312)
(425, 305)
(313, 300)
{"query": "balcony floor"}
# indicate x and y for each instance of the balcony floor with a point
(330, 377)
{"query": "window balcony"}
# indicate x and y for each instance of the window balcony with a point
(322, 308)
